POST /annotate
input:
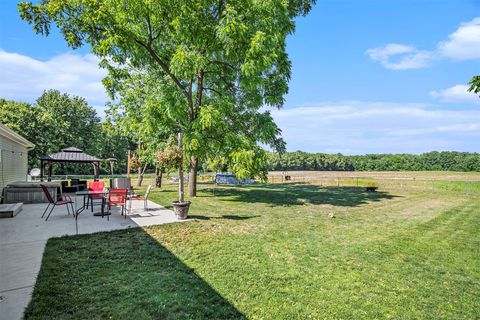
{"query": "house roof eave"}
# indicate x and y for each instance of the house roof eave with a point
(12, 135)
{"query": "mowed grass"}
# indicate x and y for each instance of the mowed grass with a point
(273, 252)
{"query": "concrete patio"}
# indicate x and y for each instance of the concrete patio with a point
(23, 239)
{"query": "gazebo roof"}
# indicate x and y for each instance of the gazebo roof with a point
(70, 154)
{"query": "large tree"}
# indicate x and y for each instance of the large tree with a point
(56, 120)
(24, 119)
(213, 56)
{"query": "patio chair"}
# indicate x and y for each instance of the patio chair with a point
(64, 200)
(117, 198)
(144, 198)
(95, 186)
(78, 185)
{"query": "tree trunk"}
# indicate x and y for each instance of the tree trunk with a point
(140, 177)
(192, 177)
(180, 168)
(128, 163)
(141, 173)
(95, 172)
(158, 177)
(139, 180)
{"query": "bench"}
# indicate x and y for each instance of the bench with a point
(10, 210)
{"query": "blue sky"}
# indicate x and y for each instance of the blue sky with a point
(371, 76)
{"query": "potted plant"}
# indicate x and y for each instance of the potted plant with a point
(173, 157)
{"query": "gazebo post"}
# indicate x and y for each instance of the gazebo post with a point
(50, 165)
(41, 170)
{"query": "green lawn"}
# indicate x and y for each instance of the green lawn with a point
(272, 252)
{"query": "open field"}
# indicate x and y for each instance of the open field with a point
(313, 176)
(434, 181)
(445, 175)
(439, 175)
(272, 252)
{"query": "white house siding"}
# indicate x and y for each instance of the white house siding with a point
(13, 161)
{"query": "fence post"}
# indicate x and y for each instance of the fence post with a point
(433, 185)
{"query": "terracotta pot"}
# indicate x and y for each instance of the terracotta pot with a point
(181, 209)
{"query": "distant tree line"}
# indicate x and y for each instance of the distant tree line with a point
(430, 161)
(57, 120)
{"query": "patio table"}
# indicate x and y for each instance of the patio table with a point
(87, 193)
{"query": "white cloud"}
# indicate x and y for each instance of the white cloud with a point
(352, 127)
(358, 127)
(23, 78)
(463, 44)
(454, 128)
(455, 94)
(408, 57)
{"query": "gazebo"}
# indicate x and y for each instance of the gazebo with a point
(71, 154)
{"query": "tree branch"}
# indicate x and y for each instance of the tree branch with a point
(219, 10)
(223, 63)
(198, 97)
(211, 89)
(164, 67)
(190, 102)
(150, 36)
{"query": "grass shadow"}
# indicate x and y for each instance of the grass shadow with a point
(294, 194)
(121, 275)
(223, 217)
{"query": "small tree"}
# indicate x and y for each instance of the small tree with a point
(141, 160)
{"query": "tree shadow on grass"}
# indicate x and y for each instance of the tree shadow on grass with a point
(223, 217)
(294, 194)
(121, 275)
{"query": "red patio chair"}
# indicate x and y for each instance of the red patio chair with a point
(64, 200)
(117, 198)
(95, 186)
